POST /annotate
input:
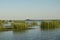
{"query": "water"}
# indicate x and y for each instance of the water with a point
(31, 34)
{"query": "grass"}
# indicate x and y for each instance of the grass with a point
(17, 25)
(20, 26)
(34, 23)
(50, 24)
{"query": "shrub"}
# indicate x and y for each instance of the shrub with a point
(50, 24)
(34, 23)
(20, 26)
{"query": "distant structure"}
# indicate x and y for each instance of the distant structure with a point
(10, 21)
(27, 19)
(32, 20)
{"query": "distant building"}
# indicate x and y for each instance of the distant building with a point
(27, 19)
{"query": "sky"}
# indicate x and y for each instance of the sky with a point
(29, 9)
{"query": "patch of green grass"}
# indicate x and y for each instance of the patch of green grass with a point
(34, 23)
(50, 25)
(20, 26)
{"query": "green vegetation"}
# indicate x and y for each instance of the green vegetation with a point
(1, 22)
(34, 23)
(19, 21)
(50, 24)
(16, 24)
(1, 27)
(20, 26)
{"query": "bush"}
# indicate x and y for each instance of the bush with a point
(20, 26)
(34, 23)
(49, 25)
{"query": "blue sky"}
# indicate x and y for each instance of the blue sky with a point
(29, 9)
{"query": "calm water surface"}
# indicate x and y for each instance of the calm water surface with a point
(31, 34)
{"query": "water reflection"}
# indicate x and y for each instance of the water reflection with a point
(47, 29)
(19, 31)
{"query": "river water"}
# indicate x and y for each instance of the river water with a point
(32, 34)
